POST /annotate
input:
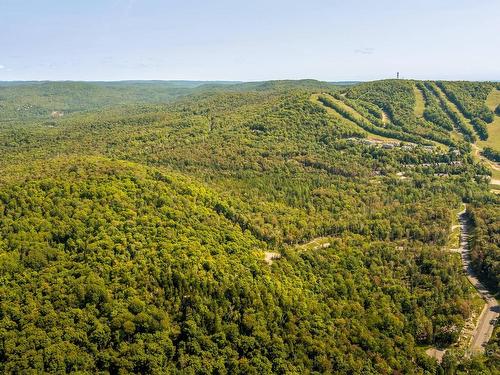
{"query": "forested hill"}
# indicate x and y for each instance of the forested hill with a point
(46, 100)
(449, 113)
(251, 228)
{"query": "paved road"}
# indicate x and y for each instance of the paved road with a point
(491, 311)
(486, 323)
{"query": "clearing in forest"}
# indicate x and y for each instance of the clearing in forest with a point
(374, 137)
(494, 167)
(315, 244)
(493, 140)
(441, 96)
(269, 257)
(385, 117)
(419, 102)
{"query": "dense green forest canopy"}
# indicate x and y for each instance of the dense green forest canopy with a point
(134, 229)
(45, 99)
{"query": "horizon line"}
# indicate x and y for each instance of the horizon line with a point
(229, 81)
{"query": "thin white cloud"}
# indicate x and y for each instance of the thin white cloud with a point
(2, 66)
(365, 51)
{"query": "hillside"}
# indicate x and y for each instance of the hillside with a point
(22, 101)
(134, 232)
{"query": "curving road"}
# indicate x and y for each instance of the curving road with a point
(486, 322)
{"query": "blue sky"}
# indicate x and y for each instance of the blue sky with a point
(249, 40)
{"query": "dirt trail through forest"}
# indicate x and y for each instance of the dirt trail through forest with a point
(477, 153)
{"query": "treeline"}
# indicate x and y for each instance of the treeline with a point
(37, 100)
(370, 127)
(373, 109)
(397, 99)
(491, 154)
(455, 117)
(433, 111)
(367, 110)
(485, 242)
(470, 98)
(480, 127)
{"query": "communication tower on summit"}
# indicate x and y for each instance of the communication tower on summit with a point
(397, 75)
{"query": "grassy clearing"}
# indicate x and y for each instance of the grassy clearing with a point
(456, 136)
(493, 130)
(493, 99)
(455, 109)
(493, 140)
(371, 136)
(335, 114)
(419, 102)
(476, 155)
(454, 237)
(315, 244)
(346, 107)
(339, 117)
(385, 117)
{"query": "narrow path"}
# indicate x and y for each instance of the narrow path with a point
(477, 152)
